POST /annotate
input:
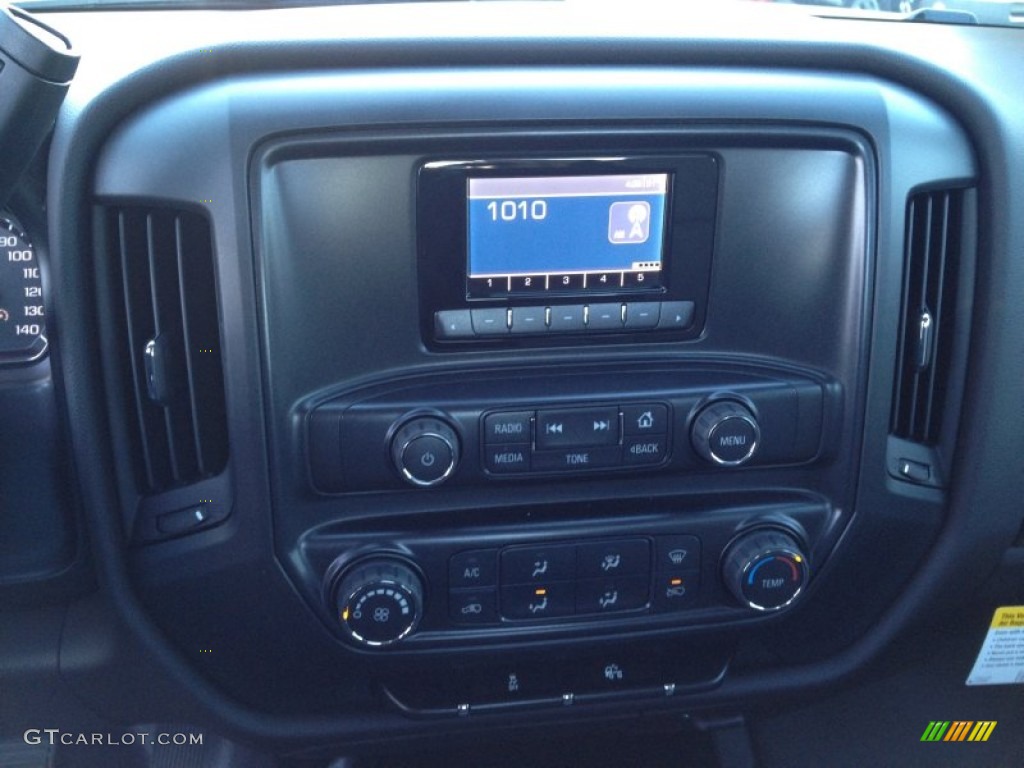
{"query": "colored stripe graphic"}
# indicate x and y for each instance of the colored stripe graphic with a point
(958, 731)
(982, 730)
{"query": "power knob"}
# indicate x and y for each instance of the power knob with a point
(379, 601)
(425, 451)
(725, 433)
(765, 569)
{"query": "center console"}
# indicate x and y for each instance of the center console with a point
(595, 440)
(561, 400)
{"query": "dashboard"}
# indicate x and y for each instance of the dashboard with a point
(428, 381)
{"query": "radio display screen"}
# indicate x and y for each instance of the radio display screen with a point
(566, 233)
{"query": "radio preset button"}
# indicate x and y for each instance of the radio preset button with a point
(604, 317)
(567, 319)
(529, 320)
(489, 322)
(578, 427)
(643, 314)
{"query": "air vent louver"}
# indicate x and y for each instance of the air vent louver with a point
(173, 339)
(933, 249)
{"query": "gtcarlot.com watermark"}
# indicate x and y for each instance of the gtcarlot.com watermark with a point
(55, 736)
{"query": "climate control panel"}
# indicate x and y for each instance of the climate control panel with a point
(612, 574)
(588, 578)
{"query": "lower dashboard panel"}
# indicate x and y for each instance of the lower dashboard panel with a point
(633, 674)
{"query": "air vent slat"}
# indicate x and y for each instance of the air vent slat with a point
(920, 300)
(190, 341)
(137, 309)
(168, 279)
(931, 268)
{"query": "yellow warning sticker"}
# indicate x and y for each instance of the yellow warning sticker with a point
(1001, 658)
(1013, 616)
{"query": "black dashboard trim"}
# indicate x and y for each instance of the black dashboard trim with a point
(997, 321)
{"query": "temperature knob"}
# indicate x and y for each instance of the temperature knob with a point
(425, 451)
(726, 433)
(765, 569)
(380, 601)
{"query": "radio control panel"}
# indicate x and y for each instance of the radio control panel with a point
(498, 427)
(576, 439)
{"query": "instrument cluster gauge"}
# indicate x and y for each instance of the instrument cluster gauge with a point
(22, 317)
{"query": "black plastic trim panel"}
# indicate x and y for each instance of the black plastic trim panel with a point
(902, 129)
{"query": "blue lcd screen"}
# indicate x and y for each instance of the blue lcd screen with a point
(567, 225)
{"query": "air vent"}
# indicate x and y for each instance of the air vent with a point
(172, 338)
(932, 265)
